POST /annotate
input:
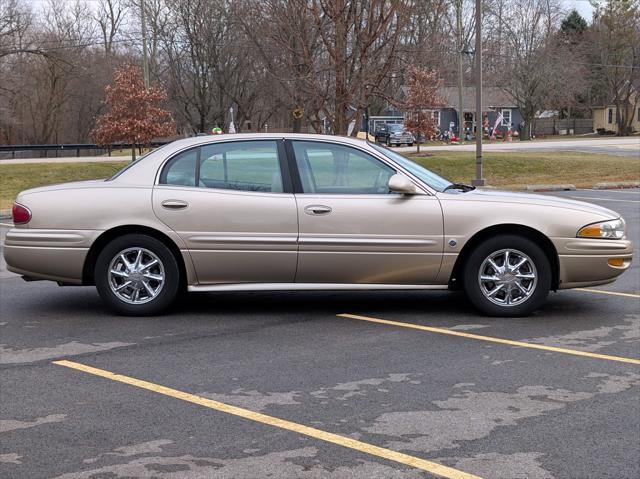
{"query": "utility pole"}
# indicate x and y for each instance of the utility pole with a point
(479, 180)
(460, 70)
(145, 59)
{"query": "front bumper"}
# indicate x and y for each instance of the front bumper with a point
(400, 140)
(585, 262)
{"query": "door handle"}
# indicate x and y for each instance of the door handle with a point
(174, 204)
(317, 210)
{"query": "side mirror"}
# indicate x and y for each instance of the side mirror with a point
(401, 184)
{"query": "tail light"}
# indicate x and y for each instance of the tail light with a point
(21, 214)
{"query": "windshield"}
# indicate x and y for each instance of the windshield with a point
(395, 127)
(429, 177)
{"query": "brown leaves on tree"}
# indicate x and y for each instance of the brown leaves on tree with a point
(421, 99)
(134, 114)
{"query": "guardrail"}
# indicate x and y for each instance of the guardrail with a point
(68, 149)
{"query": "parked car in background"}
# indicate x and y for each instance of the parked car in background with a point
(392, 134)
(275, 211)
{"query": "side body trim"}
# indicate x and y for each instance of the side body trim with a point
(312, 287)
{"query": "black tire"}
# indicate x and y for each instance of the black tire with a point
(167, 261)
(539, 289)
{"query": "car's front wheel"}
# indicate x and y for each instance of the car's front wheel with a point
(507, 275)
(137, 275)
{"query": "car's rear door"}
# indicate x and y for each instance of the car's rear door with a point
(232, 204)
(352, 229)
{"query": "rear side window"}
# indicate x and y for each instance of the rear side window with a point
(246, 165)
(181, 169)
(238, 165)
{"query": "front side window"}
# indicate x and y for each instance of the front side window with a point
(239, 165)
(427, 176)
(335, 169)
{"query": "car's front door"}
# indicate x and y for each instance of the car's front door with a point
(228, 203)
(353, 229)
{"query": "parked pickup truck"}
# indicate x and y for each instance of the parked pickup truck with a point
(393, 134)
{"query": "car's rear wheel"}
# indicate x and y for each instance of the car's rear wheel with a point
(137, 275)
(507, 275)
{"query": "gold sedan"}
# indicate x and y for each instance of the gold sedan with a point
(301, 212)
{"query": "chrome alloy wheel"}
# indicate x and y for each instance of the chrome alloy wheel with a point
(136, 275)
(507, 277)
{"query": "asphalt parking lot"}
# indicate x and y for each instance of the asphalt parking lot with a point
(314, 385)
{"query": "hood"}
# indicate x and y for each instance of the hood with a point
(535, 199)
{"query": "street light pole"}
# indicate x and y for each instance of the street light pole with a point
(145, 59)
(479, 180)
(460, 71)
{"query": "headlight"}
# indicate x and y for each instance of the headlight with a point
(613, 229)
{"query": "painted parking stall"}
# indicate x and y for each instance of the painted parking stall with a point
(256, 384)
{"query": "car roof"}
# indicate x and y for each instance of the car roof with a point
(147, 167)
(199, 140)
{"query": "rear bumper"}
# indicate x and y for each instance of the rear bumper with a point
(56, 264)
(56, 255)
(585, 262)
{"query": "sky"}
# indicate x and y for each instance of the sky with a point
(583, 6)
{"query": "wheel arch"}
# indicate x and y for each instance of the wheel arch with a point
(107, 236)
(455, 280)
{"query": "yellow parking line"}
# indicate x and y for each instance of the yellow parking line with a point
(491, 339)
(432, 467)
(613, 293)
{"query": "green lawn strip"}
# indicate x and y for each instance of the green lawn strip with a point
(18, 177)
(501, 169)
(516, 170)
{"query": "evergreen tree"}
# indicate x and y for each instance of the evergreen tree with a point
(573, 23)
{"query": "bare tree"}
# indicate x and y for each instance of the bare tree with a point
(361, 40)
(109, 17)
(616, 41)
(528, 68)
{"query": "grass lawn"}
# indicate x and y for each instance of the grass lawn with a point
(501, 169)
(513, 170)
(15, 178)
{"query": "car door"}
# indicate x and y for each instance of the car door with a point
(232, 204)
(352, 228)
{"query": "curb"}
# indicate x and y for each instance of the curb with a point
(616, 185)
(550, 188)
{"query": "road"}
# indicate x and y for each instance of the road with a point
(255, 385)
(607, 146)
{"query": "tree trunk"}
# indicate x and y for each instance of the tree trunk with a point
(526, 129)
(341, 101)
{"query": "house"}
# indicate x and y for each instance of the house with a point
(605, 116)
(495, 101)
